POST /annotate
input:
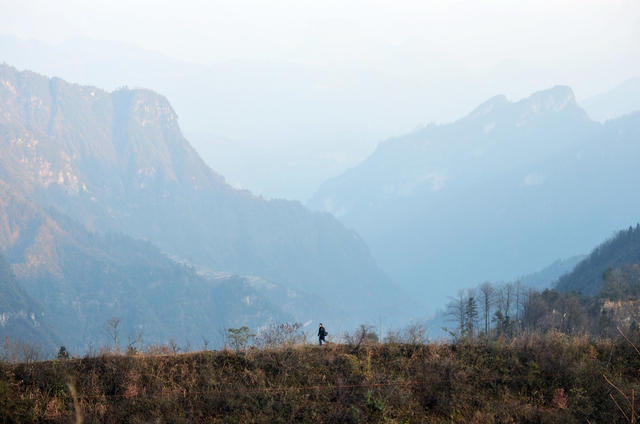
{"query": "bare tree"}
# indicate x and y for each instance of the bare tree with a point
(456, 311)
(364, 334)
(504, 300)
(283, 334)
(221, 336)
(205, 343)
(132, 348)
(30, 352)
(173, 346)
(112, 330)
(6, 348)
(518, 294)
(416, 334)
(487, 293)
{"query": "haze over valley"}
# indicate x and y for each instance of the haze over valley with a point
(296, 163)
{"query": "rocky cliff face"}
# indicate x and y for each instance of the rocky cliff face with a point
(86, 143)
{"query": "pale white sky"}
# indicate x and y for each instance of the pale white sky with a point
(376, 68)
(436, 37)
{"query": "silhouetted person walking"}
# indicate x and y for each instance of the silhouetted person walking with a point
(321, 334)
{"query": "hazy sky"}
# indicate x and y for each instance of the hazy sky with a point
(389, 65)
(404, 37)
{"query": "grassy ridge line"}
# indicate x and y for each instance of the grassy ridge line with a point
(536, 379)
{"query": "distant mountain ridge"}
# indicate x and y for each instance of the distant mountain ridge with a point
(508, 188)
(619, 101)
(117, 162)
(547, 277)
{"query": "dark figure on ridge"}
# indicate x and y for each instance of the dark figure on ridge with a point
(321, 334)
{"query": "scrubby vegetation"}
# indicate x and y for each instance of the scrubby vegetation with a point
(601, 294)
(512, 309)
(535, 379)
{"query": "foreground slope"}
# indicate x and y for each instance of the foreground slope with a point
(501, 192)
(537, 380)
(118, 162)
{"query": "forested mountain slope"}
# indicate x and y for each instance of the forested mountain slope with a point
(619, 251)
(84, 279)
(21, 318)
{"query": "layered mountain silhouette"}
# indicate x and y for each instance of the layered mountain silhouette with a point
(621, 100)
(505, 190)
(117, 163)
(82, 279)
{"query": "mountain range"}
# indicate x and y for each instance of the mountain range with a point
(245, 119)
(106, 210)
(79, 163)
(507, 189)
(281, 128)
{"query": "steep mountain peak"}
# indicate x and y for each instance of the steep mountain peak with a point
(489, 106)
(71, 135)
(553, 99)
